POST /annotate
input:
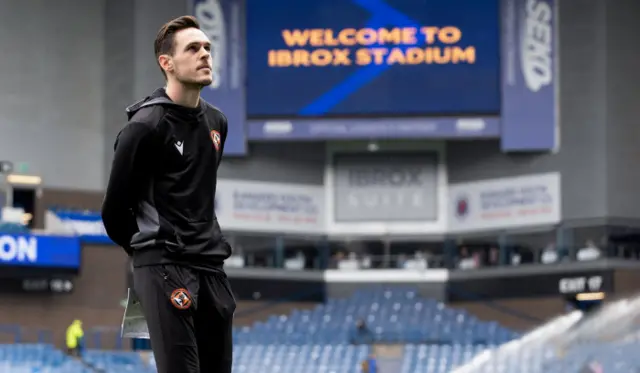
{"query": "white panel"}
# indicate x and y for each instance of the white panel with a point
(252, 206)
(385, 187)
(386, 276)
(377, 228)
(524, 201)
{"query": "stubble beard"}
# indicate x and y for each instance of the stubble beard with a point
(194, 84)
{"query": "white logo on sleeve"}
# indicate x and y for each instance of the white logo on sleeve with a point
(179, 146)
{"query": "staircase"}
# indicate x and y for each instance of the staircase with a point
(389, 357)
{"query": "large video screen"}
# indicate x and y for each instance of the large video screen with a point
(317, 58)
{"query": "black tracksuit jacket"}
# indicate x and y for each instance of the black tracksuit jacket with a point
(159, 203)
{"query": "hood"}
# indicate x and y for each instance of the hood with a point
(156, 98)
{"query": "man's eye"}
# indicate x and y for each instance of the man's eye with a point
(193, 48)
(207, 48)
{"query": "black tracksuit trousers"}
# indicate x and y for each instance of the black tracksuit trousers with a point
(190, 317)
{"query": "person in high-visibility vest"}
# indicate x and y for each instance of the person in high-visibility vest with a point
(369, 365)
(75, 334)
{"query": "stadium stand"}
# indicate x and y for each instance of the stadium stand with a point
(37, 358)
(402, 196)
(316, 340)
(117, 361)
(392, 316)
(433, 339)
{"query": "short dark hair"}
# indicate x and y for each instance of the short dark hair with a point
(165, 37)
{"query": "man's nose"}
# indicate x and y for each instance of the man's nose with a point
(205, 53)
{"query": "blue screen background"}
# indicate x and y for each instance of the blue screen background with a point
(425, 89)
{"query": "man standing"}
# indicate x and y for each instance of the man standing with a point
(159, 206)
(75, 337)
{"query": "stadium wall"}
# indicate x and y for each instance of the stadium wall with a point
(598, 118)
(51, 98)
(98, 290)
(295, 163)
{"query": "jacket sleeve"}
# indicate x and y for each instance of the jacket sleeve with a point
(132, 149)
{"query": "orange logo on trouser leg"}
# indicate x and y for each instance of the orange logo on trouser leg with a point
(181, 299)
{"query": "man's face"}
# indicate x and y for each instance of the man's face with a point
(191, 60)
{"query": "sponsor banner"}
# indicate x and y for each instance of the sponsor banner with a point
(39, 251)
(541, 284)
(270, 207)
(375, 128)
(223, 22)
(385, 187)
(505, 203)
(372, 57)
(529, 78)
(87, 226)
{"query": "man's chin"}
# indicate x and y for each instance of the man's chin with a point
(200, 83)
(205, 82)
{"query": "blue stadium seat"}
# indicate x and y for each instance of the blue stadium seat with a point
(436, 339)
(116, 361)
(310, 358)
(393, 316)
(37, 358)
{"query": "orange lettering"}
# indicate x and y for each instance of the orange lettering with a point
(272, 60)
(409, 35)
(396, 57)
(449, 35)
(341, 57)
(295, 37)
(347, 37)
(300, 57)
(317, 38)
(415, 56)
(429, 34)
(378, 55)
(363, 57)
(366, 36)
(321, 57)
(464, 55)
(392, 36)
(284, 58)
(329, 39)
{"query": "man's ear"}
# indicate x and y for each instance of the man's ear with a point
(166, 62)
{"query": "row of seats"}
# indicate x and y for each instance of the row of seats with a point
(37, 358)
(296, 359)
(609, 357)
(117, 362)
(342, 358)
(318, 340)
(391, 316)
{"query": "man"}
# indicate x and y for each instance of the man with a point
(75, 336)
(159, 207)
(362, 334)
(369, 365)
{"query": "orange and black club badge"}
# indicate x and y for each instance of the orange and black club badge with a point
(181, 299)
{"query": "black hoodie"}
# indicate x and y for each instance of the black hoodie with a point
(159, 203)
